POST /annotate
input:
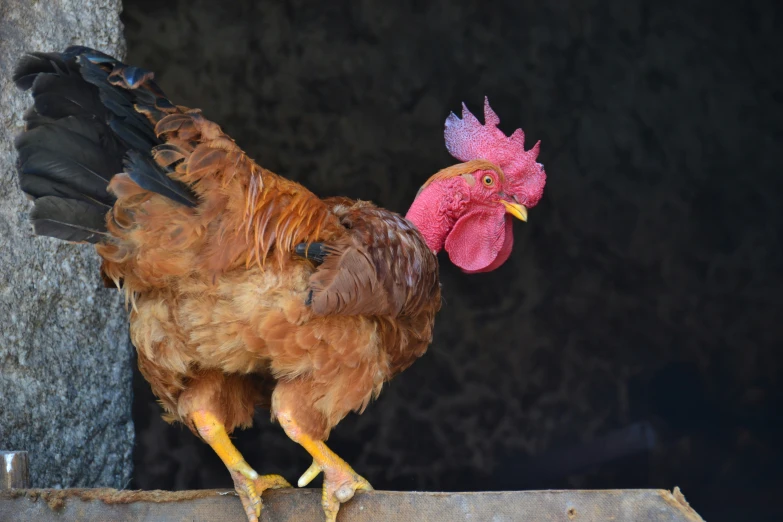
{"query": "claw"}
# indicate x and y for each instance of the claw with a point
(246, 471)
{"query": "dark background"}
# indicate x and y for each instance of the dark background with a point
(633, 339)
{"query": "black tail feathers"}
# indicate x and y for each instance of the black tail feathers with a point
(79, 131)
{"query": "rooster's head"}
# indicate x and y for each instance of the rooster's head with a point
(468, 208)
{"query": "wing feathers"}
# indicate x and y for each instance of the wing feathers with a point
(381, 266)
(148, 175)
(68, 219)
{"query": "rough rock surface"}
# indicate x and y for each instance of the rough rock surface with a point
(65, 358)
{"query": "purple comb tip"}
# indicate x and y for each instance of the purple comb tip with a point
(467, 139)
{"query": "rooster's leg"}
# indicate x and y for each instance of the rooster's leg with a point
(340, 480)
(249, 484)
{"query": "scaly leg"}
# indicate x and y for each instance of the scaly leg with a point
(340, 480)
(247, 482)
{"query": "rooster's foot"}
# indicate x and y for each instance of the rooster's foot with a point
(250, 485)
(340, 484)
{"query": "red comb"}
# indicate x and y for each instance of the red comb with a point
(467, 139)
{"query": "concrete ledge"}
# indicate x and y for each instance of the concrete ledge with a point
(93, 505)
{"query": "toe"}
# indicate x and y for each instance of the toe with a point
(252, 505)
(265, 482)
(330, 505)
(309, 475)
(250, 498)
(362, 484)
(344, 493)
(340, 487)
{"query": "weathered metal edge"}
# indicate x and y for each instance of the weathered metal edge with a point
(14, 469)
(88, 505)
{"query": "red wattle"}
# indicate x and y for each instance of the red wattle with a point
(477, 238)
(505, 252)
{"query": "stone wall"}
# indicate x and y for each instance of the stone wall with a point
(65, 357)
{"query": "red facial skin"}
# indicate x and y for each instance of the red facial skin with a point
(464, 214)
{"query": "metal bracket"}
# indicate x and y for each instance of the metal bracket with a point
(14, 470)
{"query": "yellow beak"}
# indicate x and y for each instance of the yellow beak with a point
(515, 209)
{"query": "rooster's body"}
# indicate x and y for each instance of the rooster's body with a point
(244, 288)
(219, 296)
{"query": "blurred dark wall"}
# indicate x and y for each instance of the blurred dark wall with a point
(644, 289)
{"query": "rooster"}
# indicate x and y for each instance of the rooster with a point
(244, 289)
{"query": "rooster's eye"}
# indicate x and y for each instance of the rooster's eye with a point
(488, 181)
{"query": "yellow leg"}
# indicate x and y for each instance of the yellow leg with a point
(247, 482)
(340, 480)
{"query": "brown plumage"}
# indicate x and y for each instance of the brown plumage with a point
(228, 309)
(215, 288)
